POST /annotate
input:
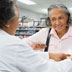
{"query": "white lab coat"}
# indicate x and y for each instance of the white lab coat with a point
(17, 56)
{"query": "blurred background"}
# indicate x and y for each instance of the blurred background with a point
(33, 14)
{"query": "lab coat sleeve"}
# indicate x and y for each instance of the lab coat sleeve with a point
(44, 55)
(66, 65)
(61, 66)
(30, 61)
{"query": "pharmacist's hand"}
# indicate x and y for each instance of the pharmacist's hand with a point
(69, 57)
(38, 46)
(58, 56)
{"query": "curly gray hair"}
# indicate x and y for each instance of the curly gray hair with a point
(62, 7)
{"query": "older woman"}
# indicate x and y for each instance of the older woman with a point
(15, 55)
(60, 34)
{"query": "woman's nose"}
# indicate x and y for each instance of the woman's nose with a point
(57, 21)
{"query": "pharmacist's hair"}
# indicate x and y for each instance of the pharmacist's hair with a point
(51, 7)
(7, 11)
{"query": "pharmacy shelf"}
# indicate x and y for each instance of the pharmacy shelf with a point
(27, 31)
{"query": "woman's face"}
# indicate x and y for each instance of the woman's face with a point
(11, 25)
(15, 23)
(58, 19)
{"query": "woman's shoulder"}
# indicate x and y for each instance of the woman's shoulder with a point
(70, 31)
(70, 27)
(14, 38)
(44, 30)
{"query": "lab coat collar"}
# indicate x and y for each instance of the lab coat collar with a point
(3, 32)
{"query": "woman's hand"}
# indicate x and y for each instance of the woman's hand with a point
(58, 56)
(69, 57)
(38, 46)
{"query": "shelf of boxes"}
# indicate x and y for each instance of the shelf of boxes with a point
(27, 31)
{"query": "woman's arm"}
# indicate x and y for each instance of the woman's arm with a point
(37, 38)
(58, 56)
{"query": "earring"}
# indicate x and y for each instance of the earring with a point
(7, 26)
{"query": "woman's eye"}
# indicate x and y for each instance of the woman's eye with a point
(53, 19)
(60, 17)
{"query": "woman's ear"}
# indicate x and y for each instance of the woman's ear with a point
(48, 22)
(67, 19)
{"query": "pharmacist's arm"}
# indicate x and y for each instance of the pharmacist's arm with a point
(30, 61)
